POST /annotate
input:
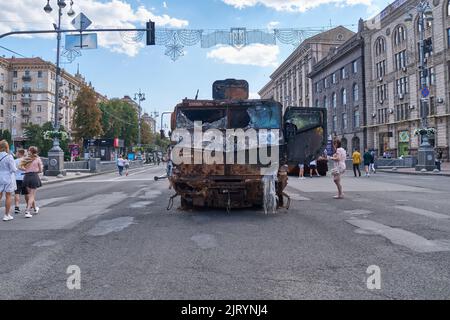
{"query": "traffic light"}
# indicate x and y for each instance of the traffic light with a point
(151, 33)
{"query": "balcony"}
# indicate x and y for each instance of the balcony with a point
(26, 100)
(26, 78)
(26, 113)
(25, 124)
(26, 90)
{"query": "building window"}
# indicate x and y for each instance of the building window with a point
(343, 74)
(14, 108)
(334, 100)
(355, 92)
(399, 35)
(402, 85)
(15, 74)
(39, 74)
(333, 78)
(14, 97)
(325, 102)
(381, 68)
(15, 85)
(382, 93)
(400, 60)
(317, 103)
(39, 108)
(325, 83)
(334, 123)
(380, 46)
(344, 121)
(356, 119)
(355, 66)
(1, 113)
(39, 120)
(344, 97)
(1, 101)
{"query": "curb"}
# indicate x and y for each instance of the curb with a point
(45, 183)
(416, 173)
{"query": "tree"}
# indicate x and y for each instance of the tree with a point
(87, 116)
(146, 133)
(6, 135)
(119, 120)
(34, 136)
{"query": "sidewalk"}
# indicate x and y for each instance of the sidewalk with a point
(46, 180)
(445, 171)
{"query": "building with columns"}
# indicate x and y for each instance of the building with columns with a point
(289, 83)
(393, 80)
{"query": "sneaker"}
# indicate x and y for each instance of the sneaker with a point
(7, 217)
(28, 215)
(36, 210)
(17, 210)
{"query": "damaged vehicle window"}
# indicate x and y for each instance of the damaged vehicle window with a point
(211, 119)
(303, 122)
(258, 117)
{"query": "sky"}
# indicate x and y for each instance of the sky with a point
(117, 67)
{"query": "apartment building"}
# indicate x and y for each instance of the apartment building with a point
(338, 85)
(393, 80)
(289, 83)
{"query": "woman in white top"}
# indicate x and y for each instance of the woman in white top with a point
(7, 177)
(339, 166)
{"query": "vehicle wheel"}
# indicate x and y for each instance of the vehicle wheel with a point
(186, 204)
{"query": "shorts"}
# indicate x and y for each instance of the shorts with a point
(313, 167)
(31, 180)
(301, 166)
(20, 188)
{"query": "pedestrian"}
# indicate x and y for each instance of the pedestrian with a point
(126, 163)
(7, 178)
(32, 165)
(120, 164)
(339, 167)
(301, 173)
(356, 159)
(312, 168)
(20, 174)
(372, 162)
(367, 159)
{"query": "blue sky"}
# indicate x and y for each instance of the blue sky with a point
(117, 68)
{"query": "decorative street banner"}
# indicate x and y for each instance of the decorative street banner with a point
(84, 41)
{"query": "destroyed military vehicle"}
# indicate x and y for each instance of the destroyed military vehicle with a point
(233, 152)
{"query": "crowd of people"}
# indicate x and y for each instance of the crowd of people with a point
(20, 177)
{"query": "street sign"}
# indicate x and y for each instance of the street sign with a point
(77, 42)
(425, 92)
(81, 22)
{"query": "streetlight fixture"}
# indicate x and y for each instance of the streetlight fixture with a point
(56, 154)
(426, 153)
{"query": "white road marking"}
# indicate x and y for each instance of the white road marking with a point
(423, 212)
(108, 226)
(296, 197)
(400, 237)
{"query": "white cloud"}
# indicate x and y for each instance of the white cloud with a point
(273, 24)
(25, 15)
(292, 5)
(165, 5)
(254, 95)
(254, 55)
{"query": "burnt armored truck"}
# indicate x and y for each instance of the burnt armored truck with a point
(234, 152)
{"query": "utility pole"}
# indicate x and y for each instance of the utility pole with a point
(426, 161)
(139, 97)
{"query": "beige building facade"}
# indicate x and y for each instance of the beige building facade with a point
(393, 80)
(289, 83)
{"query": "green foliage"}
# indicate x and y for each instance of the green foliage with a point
(6, 135)
(120, 120)
(87, 118)
(34, 135)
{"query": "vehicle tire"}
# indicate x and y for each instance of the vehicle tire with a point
(186, 204)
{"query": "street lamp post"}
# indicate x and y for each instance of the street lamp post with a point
(426, 161)
(139, 97)
(56, 154)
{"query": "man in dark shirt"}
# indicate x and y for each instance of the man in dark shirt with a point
(367, 159)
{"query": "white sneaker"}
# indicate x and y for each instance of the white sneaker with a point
(36, 210)
(8, 218)
(28, 215)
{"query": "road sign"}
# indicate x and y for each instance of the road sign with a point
(81, 22)
(425, 92)
(77, 42)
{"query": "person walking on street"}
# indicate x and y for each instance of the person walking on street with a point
(372, 162)
(7, 178)
(120, 164)
(32, 165)
(339, 167)
(356, 158)
(20, 174)
(301, 173)
(126, 163)
(312, 168)
(367, 159)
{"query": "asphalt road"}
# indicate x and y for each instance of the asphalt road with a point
(117, 231)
